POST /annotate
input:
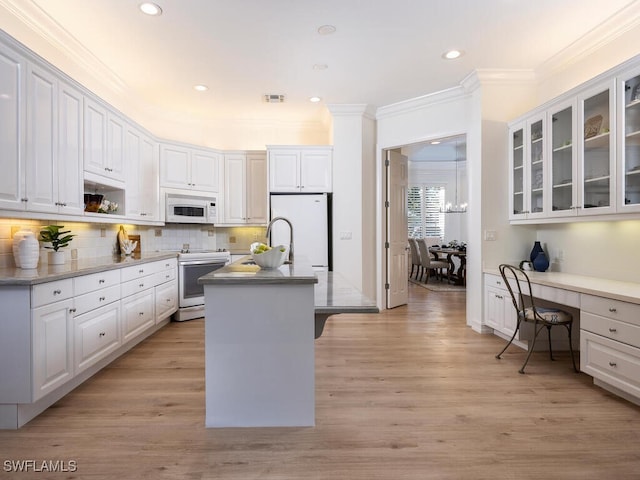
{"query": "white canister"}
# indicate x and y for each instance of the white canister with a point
(28, 251)
(19, 235)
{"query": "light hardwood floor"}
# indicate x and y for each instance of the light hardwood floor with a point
(411, 393)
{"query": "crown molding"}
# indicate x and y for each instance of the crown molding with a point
(435, 98)
(358, 109)
(626, 19)
(45, 27)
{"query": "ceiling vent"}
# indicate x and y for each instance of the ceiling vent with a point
(271, 98)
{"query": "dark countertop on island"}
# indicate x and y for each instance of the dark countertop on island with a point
(241, 273)
(48, 273)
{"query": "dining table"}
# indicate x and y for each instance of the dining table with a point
(457, 274)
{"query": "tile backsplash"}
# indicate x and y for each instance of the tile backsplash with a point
(98, 240)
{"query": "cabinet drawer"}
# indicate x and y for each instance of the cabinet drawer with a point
(494, 281)
(137, 314)
(606, 307)
(50, 292)
(92, 300)
(96, 334)
(610, 328)
(137, 271)
(135, 286)
(164, 276)
(610, 361)
(95, 281)
(168, 264)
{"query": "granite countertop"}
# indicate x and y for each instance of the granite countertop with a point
(47, 273)
(241, 273)
(334, 294)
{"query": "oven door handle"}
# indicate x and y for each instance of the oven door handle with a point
(201, 262)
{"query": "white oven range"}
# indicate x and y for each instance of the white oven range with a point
(193, 264)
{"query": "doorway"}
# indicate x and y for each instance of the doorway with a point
(436, 169)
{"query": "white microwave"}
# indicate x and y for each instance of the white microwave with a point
(191, 209)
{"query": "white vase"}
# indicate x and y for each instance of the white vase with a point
(28, 251)
(19, 235)
(56, 258)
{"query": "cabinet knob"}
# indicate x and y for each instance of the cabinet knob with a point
(613, 309)
(613, 330)
(57, 292)
(102, 299)
(168, 300)
(613, 364)
(141, 313)
(167, 276)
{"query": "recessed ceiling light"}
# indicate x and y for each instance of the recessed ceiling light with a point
(315, 99)
(320, 66)
(452, 54)
(150, 8)
(201, 88)
(326, 29)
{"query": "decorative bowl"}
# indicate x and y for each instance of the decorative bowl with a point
(270, 259)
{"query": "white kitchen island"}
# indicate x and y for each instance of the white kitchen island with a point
(260, 327)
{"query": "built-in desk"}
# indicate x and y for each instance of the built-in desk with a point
(609, 312)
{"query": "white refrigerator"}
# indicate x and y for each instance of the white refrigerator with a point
(310, 215)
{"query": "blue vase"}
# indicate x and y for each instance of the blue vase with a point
(541, 262)
(537, 248)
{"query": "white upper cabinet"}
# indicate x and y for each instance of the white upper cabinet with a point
(189, 169)
(70, 161)
(596, 150)
(141, 175)
(629, 140)
(103, 143)
(245, 188)
(300, 169)
(528, 168)
(562, 186)
(12, 75)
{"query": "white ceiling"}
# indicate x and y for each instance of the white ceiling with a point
(383, 51)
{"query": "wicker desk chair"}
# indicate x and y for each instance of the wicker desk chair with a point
(519, 285)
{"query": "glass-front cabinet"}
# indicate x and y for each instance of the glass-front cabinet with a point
(517, 180)
(527, 178)
(562, 168)
(629, 155)
(596, 151)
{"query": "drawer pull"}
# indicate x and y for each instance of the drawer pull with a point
(101, 280)
(167, 276)
(613, 364)
(498, 283)
(613, 309)
(102, 299)
(141, 313)
(72, 310)
(57, 292)
(141, 271)
(168, 300)
(613, 330)
(141, 285)
(101, 334)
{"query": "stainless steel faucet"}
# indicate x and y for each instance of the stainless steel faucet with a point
(274, 220)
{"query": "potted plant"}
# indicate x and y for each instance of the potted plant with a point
(58, 239)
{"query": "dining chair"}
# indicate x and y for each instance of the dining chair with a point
(415, 257)
(428, 263)
(519, 286)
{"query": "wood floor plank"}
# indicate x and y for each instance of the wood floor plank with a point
(411, 393)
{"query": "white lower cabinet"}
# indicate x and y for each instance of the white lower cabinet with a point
(499, 311)
(96, 334)
(52, 347)
(610, 343)
(137, 314)
(54, 331)
(166, 300)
